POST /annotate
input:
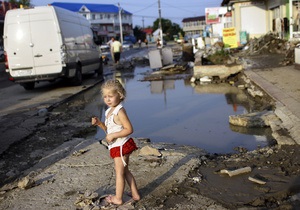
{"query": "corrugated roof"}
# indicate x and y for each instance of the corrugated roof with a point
(225, 2)
(95, 8)
(189, 19)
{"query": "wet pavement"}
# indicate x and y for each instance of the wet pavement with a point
(282, 84)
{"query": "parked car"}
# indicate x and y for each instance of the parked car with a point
(104, 47)
(55, 43)
(130, 38)
(127, 45)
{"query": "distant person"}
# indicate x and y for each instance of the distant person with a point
(110, 43)
(146, 42)
(121, 145)
(140, 43)
(117, 49)
(158, 44)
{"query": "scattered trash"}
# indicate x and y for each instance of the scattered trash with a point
(205, 79)
(26, 183)
(258, 181)
(236, 172)
(197, 179)
(79, 152)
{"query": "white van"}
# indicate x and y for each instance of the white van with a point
(46, 43)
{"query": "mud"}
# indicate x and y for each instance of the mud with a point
(278, 167)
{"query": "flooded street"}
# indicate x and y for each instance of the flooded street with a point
(174, 111)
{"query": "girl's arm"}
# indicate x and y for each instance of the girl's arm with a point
(96, 121)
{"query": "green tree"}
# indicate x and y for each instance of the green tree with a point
(168, 28)
(25, 3)
(139, 33)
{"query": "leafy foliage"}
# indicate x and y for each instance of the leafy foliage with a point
(168, 28)
(25, 3)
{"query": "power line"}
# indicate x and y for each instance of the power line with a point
(144, 8)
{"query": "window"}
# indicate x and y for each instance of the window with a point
(109, 28)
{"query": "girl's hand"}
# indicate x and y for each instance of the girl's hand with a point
(109, 138)
(95, 121)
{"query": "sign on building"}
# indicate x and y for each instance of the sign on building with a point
(229, 37)
(212, 15)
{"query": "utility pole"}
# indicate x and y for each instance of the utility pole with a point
(120, 20)
(160, 27)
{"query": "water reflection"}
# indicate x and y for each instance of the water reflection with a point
(174, 111)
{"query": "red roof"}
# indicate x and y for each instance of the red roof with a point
(148, 30)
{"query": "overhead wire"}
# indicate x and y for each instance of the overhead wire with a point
(183, 8)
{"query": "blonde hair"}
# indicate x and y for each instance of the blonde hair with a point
(116, 86)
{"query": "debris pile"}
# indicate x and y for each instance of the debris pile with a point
(270, 44)
(173, 71)
(267, 44)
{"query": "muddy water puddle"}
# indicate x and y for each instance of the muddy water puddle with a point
(174, 111)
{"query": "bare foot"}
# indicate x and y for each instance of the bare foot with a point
(134, 197)
(113, 200)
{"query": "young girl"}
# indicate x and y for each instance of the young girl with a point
(120, 144)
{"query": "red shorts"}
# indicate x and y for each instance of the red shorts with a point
(127, 148)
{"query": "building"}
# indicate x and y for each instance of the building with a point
(258, 17)
(193, 26)
(104, 18)
(148, 32)
(251, 19)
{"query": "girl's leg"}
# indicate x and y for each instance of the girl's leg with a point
(131, 180)
(120, 181)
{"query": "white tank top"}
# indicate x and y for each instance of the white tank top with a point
(112, 127)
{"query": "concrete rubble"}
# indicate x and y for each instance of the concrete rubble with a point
(253, 119)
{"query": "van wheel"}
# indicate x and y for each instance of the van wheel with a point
(28, 85)
(99, 71)
(77, 80)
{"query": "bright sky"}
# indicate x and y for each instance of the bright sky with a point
(145, 12)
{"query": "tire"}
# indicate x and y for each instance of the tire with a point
(28, 85)
(77, 79)
(99, 71)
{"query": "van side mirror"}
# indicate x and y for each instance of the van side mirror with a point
(96, 38)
